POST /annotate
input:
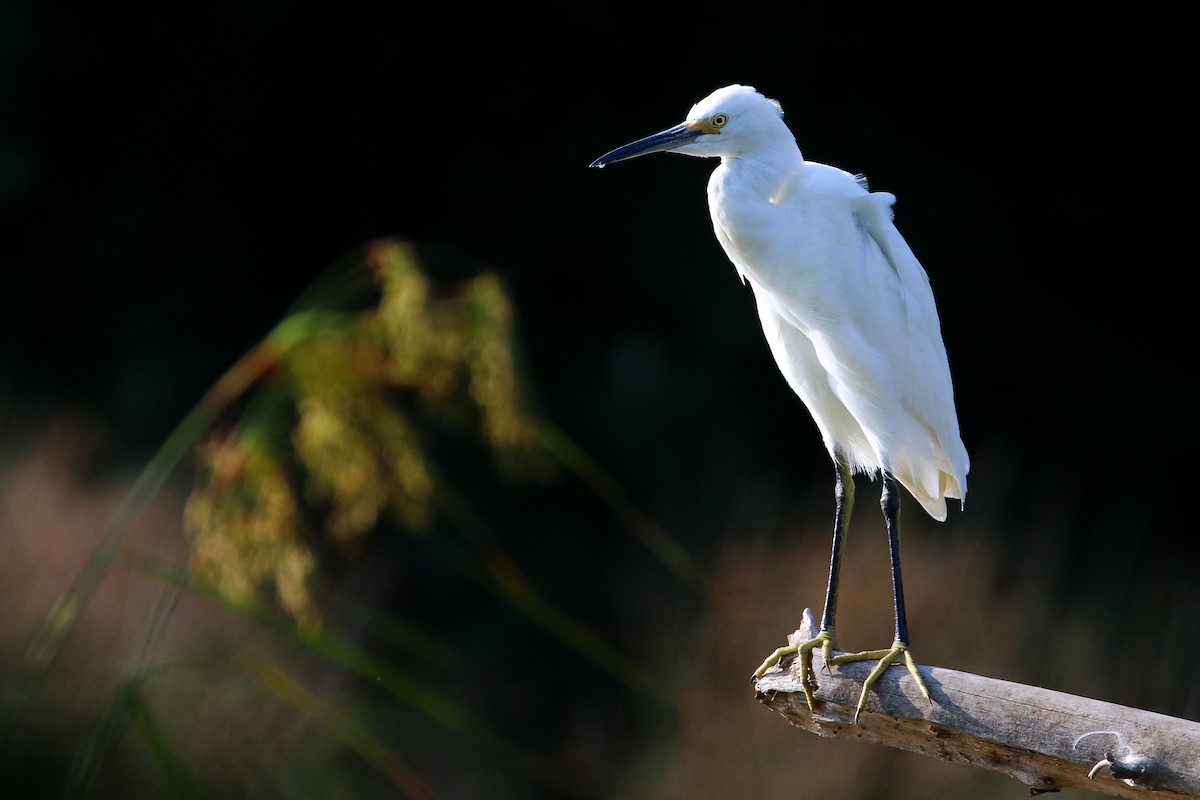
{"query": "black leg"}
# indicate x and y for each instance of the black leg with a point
(890, 503)
(898, 653)
(825, 638)
(843, 493)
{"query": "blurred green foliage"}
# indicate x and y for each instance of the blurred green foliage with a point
(359, 389)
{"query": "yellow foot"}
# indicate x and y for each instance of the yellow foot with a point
(803, 650)
(886, 658)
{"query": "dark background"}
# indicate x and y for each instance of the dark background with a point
(171, 180)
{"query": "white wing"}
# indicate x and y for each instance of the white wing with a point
(931, 451)
(850, 317)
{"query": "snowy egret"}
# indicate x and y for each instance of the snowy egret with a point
(850, 318)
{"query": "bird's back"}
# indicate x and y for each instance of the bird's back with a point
(850, 317)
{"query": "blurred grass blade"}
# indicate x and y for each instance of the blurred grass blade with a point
(249, 370)
(165, 754)
(379, 673)
(394, 631)
(401, 685)
(376, 753)
(65, 611)
(669, 551)
(504, 579)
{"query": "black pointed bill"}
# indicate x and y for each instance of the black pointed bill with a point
(671, 138)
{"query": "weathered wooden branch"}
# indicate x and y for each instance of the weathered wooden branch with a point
(1047, 740)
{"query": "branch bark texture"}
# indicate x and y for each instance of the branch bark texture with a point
(1048, 740)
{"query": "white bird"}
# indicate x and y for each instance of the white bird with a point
(850, 318)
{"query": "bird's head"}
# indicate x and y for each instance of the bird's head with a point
(730, 122)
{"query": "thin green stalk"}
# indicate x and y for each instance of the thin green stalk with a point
(347, 729)
(669, 551)
(257, 363)
(379, 673)
(504, 579)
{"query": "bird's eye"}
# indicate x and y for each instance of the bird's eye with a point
(719, 121)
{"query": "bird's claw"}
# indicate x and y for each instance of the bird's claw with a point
(803, 650)
(899, 651)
